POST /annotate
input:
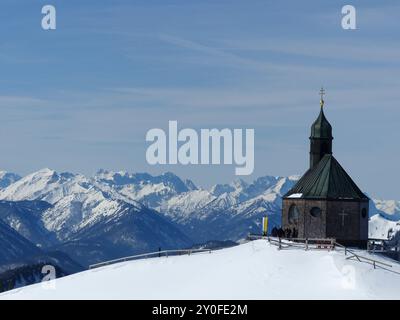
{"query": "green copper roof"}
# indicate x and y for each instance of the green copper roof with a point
(326, 180)
(321, 127)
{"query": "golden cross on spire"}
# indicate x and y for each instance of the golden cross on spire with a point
(322, 93)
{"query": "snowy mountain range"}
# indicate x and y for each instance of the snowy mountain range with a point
(114, 214)
(87, 219)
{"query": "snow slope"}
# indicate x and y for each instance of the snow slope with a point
(381, 228)
(255, 270)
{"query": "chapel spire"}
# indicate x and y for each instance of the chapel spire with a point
(321, 135)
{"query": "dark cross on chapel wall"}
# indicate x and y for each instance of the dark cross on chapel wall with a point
(343, 215)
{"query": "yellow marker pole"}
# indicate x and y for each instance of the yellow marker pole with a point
(265, 226)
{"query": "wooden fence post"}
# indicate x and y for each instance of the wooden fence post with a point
(306, 243)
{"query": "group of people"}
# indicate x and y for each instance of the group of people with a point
(285, 233)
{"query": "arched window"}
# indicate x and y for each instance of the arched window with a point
(364, 212)
(293, 214)
(315, 212)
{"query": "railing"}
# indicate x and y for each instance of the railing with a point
(330, 244)
(252, 236)
(164, 253)
(360, 258)
(304, 243)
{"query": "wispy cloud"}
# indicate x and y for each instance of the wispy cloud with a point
(226, 57)
(341, 49)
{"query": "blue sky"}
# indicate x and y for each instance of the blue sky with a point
(82, 97)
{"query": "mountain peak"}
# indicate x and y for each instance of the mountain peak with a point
(45, 171)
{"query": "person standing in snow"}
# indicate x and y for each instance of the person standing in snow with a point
(281, 233)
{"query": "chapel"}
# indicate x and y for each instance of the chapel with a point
(326, 202)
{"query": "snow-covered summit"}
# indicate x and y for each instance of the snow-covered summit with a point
(45, 184)
(123, 178)
(390, 209)
(255, 270)
(143, 187)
